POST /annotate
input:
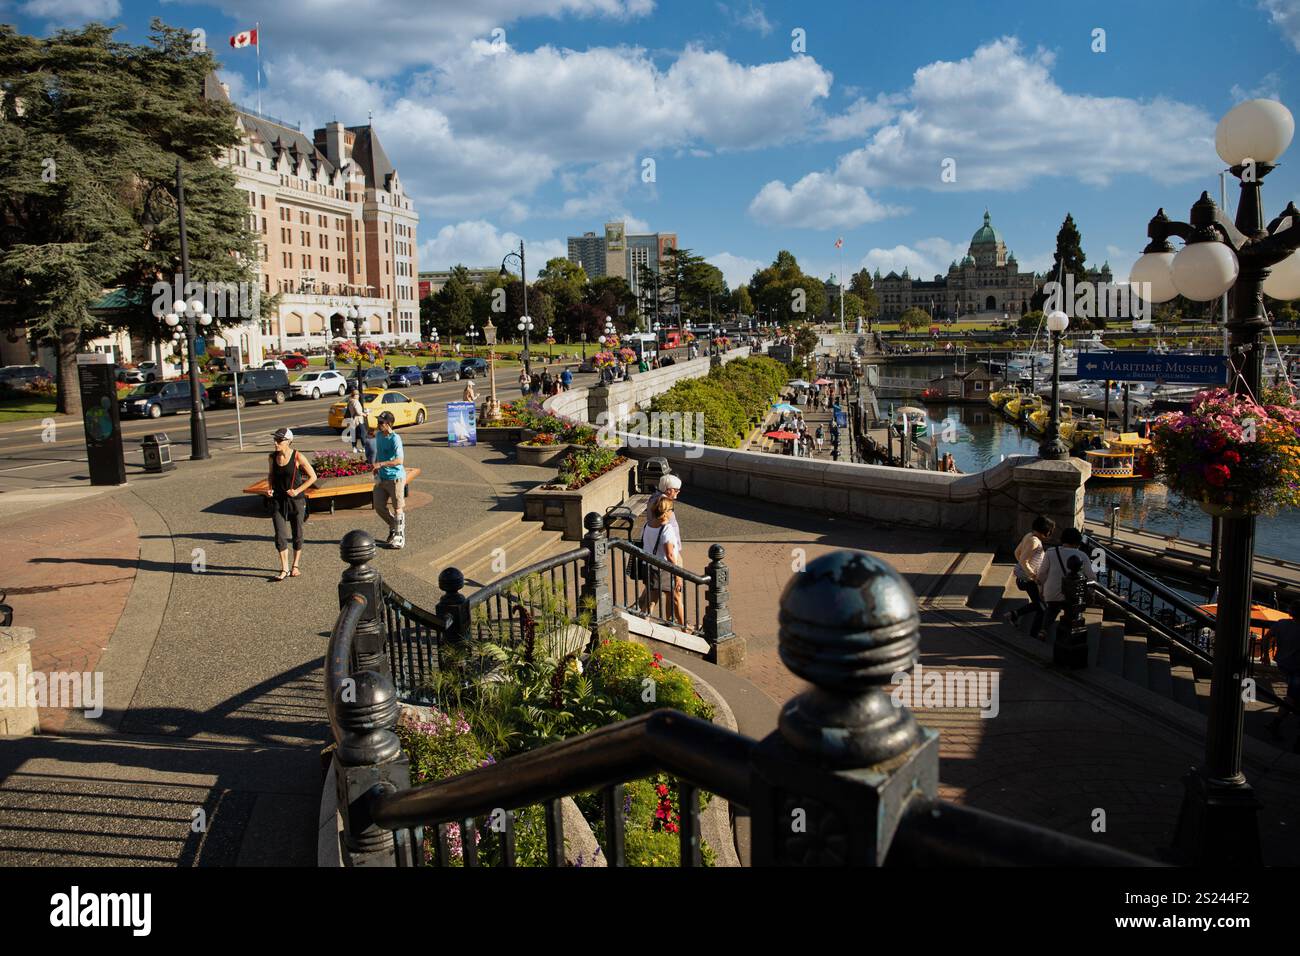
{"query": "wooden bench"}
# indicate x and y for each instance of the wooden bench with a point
(337, 487)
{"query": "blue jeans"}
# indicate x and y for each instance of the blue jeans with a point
(362, 436)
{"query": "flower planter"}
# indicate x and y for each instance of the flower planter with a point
(562, 510)
(513, 434)
(542, 454)
(343, 479)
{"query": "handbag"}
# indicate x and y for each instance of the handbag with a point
(638, 568)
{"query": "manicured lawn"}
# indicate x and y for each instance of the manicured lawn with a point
(23, 408)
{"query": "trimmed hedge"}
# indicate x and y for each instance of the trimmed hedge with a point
(733, 398)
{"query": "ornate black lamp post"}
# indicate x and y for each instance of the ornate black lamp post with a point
(1052, 448)
(193, 315)
(1218, 820)
(353, 327)
(523, 280)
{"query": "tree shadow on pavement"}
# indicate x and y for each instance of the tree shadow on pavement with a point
(168, 567)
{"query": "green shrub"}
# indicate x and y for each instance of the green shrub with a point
(733, 399)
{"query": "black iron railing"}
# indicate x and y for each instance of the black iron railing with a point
(1141, 597)
(849, 778)
(646, 584)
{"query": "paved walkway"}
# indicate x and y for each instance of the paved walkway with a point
(1062, 745)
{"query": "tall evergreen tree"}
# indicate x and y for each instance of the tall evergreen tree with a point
(861, 286)
(1068, 260)
(90, 132)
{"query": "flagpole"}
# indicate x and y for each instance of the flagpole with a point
(841, 287)
(257, 32)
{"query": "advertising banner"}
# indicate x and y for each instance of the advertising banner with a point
(462, 424)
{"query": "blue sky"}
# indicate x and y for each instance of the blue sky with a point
(542, 129)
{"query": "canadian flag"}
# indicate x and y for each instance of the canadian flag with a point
(247, 38)
(839, 243)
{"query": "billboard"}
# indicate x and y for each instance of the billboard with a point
(462, 424)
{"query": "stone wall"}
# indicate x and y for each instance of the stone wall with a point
(997, 505)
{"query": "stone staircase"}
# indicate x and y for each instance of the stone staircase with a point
(503, 548)
(1122, 648)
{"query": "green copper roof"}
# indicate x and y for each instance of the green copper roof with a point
(986, 233)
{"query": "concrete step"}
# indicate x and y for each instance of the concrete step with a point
(1183, 685)
(532, 543)
(991, 588)
(1159, 670)
(1110, 647)
(954, 589)
(1135, 656)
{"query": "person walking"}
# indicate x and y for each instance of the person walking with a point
(566, 380)
(468, 394)
(546, 381)
(389, 496)
(1056, 565)
(356, 415)
(1029, 563)
(661, 538)
(818, 437)
(288, 477)
(524, 385)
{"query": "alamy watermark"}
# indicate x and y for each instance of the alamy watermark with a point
(932, 689)
(221, 300)
(1099, 300)
(652, 430)
(64, 690)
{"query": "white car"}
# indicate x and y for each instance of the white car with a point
(319, 382)
(276, 364)
(150, 371)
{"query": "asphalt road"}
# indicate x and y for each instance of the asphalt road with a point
(27, 461)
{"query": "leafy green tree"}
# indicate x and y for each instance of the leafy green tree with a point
(90, 132)
(452, 307)
(604, 295)
(913, 318)
(1030, 320)
(566, 284)
(861, 286)
(741, 303)
(782, 288)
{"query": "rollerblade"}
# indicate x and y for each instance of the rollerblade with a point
(397, 540)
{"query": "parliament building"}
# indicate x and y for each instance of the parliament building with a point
(988, 279)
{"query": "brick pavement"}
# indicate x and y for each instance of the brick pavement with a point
(68, 571)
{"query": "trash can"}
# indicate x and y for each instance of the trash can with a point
(652, 469)
(157, 452)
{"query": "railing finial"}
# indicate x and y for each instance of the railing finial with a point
(357, 548)
(453, 607)
(595, 573)
(848, 623)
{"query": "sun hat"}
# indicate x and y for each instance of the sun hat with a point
(283, 434)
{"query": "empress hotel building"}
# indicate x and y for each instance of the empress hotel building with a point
(988, 279)
(334, 224)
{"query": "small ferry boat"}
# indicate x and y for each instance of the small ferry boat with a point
(1087, 432)
(1125, 460)
(909, 415)
(1037, 420)
(1018, 409)
(1003, 395)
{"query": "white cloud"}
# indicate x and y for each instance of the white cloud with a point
(1285, 15)
(817, 202)
(737, 270)
(1004, 121)
(479, 243)
(69, 12)
(925, 259)
(1267, 89)
(751, 18)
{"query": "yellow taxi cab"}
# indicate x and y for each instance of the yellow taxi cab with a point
(406, 411)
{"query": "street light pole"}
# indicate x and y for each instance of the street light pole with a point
(1052, 447)
(198, 427)
(1218, 821)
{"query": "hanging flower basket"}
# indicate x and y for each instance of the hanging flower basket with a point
(1233, 455)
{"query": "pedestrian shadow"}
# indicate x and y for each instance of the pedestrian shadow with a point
(167, 567)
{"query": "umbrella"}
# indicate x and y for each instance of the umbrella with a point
(798, 383)
(784, 407)
(1258, 613)
(822, 381)
(782, 435)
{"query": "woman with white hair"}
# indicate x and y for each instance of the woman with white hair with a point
(670, 486)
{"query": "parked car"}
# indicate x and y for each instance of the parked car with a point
(473, 367)
(404, 376)
(155, 399)
(255, 385)
(314, 384)
(275, 364)
(294, 361)
(447, 370)
(153, 371)
(374, 377)
(405, 410)
(16, 376)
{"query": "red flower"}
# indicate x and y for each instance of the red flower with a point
(662, 790)
(1217, 475)
(1230, 457)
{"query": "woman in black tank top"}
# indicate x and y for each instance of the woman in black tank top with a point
(288, 478)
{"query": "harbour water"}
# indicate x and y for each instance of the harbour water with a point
(981, 437)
